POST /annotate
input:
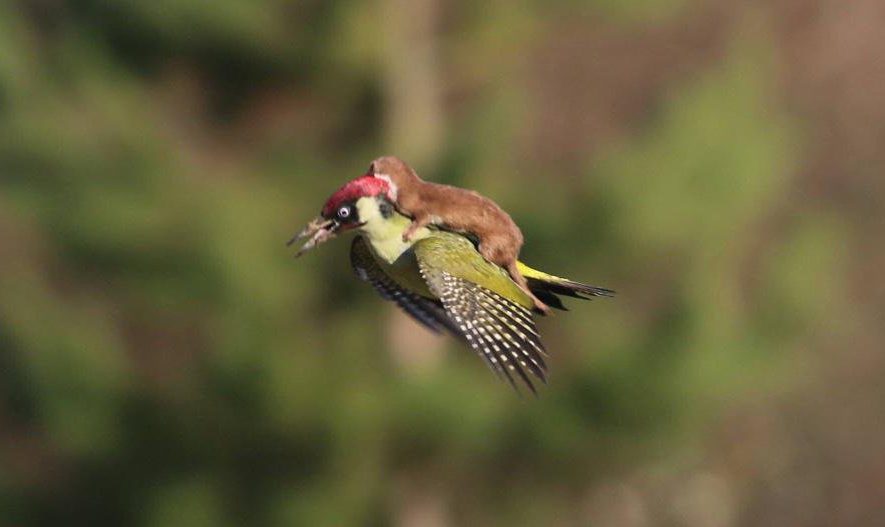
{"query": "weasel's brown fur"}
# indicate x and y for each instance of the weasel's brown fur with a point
(457, 209)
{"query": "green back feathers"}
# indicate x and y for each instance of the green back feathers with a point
(457, 256)
(442, 281)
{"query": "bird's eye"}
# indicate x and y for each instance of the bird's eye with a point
(344, 212)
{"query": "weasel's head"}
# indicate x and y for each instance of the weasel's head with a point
(395, 172)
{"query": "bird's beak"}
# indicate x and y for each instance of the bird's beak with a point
(318, 230)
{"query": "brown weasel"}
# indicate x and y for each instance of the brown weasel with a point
(457, 209)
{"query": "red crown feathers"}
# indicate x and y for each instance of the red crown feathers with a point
(364, 186)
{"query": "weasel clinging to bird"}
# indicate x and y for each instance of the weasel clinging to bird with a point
(458, 210)
(439, 277)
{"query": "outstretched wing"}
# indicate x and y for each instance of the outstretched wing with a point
(498, 329)
(429, 313)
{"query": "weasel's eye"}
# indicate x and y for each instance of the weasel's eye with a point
(344, 212)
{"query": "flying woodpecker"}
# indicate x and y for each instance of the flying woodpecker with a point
(441, 280)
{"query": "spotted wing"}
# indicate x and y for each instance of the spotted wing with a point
(497, 329)
(428, 312)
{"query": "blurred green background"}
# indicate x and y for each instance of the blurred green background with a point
(164, 361)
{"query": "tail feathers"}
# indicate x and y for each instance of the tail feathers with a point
(573, 289)
(546, 287)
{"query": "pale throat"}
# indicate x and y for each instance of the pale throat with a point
(385, 235)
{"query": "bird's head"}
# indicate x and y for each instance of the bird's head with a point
(362, 201)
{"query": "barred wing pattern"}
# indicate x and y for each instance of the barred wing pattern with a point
(428, 312)
(498, 330)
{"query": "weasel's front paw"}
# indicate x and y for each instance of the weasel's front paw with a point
(410, 231)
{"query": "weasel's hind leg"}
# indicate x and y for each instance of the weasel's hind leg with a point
(520, 280)
(503, 255)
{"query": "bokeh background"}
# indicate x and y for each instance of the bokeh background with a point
(165, 361)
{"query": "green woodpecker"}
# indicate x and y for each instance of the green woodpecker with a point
(442, 281)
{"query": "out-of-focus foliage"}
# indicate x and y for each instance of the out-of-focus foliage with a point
(164, 361)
